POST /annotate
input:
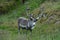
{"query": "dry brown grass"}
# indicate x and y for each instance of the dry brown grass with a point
(50, 9)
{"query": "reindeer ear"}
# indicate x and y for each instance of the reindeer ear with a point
(37, 18)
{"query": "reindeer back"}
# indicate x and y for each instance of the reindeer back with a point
(23, 21)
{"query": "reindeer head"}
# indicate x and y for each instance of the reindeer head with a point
(32, 18)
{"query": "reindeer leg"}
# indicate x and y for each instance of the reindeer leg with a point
(31, 30)
(18, 27)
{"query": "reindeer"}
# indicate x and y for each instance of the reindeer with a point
(27, 24)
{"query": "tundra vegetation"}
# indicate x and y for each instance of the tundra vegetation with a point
(46, 28)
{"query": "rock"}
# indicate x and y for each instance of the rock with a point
(58, 22)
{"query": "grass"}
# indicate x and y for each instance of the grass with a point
(41, 32)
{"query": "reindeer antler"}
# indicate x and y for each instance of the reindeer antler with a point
(27, 8)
